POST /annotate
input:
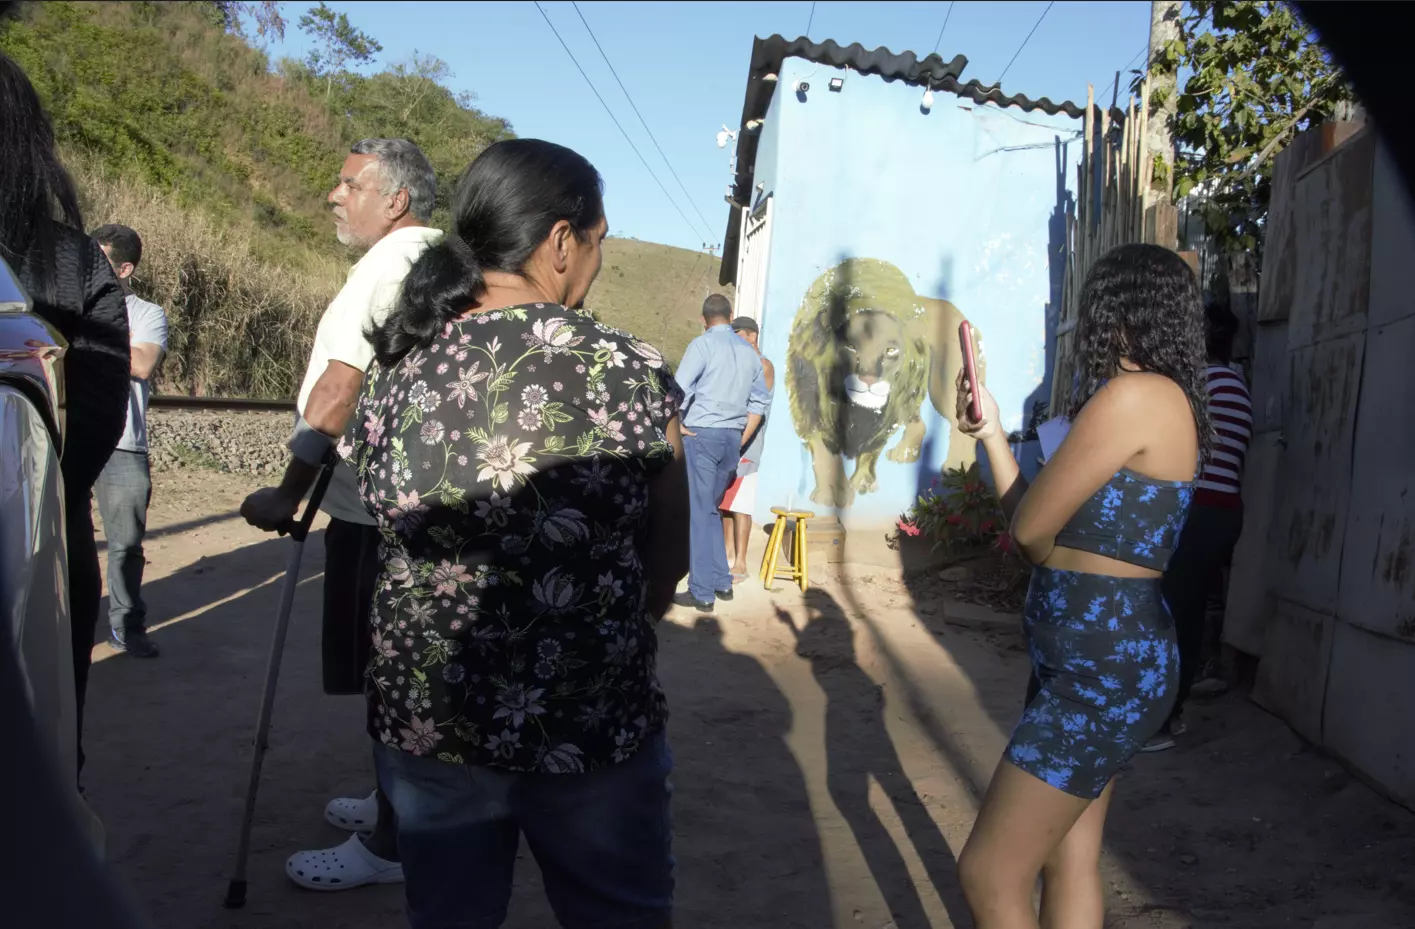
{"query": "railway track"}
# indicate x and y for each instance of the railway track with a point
(220, 404)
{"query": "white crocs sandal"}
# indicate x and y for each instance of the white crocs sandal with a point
(353, 815)
(343, 868)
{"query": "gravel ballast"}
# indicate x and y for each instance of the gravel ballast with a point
(242, 443)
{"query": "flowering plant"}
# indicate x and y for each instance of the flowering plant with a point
(959, 513)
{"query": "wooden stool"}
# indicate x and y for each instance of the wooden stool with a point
(795, 570)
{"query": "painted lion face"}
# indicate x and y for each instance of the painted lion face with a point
(872, 346)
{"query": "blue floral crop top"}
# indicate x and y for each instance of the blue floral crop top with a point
(1133, 518)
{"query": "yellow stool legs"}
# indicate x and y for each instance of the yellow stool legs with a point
(797, 568)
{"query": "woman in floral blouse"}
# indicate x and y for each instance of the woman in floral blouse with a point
(525, 466)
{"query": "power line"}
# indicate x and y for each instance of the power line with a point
(642, 121)
(1024, 43)
(939, 40)
(615, 119)
(811, 20)
(1143, 49)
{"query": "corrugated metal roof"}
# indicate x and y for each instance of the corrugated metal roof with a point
(931, 71)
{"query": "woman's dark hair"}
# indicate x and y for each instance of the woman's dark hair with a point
(504, 207)
(36, 194)
(1142, 303)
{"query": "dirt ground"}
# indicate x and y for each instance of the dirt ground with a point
(830, 750)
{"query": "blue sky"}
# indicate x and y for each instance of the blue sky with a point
(685, 66)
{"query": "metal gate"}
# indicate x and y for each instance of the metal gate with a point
(752, 261)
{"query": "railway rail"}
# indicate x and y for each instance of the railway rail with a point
(220, 404)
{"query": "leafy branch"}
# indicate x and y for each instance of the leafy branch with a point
(342, 44)
(1256, 77)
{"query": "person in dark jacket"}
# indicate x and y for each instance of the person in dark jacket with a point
(73, 288)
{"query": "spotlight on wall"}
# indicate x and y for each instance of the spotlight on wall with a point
(803, 87)
(724, 136)
(928, 101)
(836, 83)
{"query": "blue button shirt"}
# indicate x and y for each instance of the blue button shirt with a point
(722, 380)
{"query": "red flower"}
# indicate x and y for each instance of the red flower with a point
(908, 528)
(987, 526)
(954, 520)
(1004, 541)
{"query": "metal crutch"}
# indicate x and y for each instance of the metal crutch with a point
(297, 530)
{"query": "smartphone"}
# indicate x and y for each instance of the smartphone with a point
(970, 371)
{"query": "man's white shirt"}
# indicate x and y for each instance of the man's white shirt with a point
(147, 324)
(364, 302)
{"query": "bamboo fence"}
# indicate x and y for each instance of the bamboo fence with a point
(1114, 205)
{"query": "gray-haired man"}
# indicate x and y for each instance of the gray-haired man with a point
(382, 203)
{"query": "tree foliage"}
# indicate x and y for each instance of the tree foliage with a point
(340, 42)
(1256, 77)
(172, 95)
(259, 22)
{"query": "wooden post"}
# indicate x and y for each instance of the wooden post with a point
(1164, 29)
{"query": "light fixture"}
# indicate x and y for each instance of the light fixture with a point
(753, 125)
(836, 83)
(724, 136)
(928, 101)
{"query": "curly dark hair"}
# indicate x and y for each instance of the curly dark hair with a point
(1142, 303)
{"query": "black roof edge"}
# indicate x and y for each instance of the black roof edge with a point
(930, 71)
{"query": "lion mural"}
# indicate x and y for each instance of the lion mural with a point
(864, 349)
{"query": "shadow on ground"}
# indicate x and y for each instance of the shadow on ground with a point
(168, 743)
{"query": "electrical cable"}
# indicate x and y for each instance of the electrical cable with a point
(1143, 49)
(811, 20)
(642, 121)
(998, 82)
(939, 40)
(615, 119)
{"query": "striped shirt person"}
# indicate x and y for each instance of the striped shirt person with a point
(1231, 411)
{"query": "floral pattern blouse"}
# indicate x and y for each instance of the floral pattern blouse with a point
(508, 466)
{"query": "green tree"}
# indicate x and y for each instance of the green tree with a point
(1256, 77)
(342, 44)
(264, 16)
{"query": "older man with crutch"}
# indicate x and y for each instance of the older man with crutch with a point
(382, 204)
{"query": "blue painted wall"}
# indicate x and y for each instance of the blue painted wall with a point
(964, 200)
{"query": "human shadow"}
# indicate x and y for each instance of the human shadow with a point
(859, 749)
(213, 579)
(742, 814)
(177, 528)
(169, 744)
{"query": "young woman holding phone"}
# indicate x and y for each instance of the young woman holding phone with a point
(1098, 525)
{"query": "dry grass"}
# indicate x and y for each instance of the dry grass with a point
(239, 325)
(655, 291)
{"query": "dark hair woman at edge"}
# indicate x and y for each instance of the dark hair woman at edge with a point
(73, 288)
(526, 468)
(1098, 525)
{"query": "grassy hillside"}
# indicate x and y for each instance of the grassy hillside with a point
(162, 94)
(175, 126)
(655, 291)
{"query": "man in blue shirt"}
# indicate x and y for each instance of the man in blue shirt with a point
(725, 397)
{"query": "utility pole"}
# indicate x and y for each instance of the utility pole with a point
(1164, 85)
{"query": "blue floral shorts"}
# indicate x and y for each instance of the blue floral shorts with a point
(1106, 668)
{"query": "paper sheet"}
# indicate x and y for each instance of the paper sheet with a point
(1050, 434)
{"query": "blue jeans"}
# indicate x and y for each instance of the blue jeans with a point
(712, 457)
(124, 490)
(603, 840)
